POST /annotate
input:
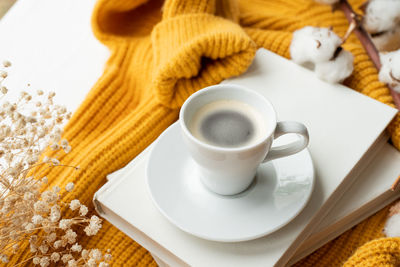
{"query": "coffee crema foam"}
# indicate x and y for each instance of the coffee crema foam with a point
(228, 123)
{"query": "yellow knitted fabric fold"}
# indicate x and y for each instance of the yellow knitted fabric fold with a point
(190, 52)
(381, 252)
(161, 52)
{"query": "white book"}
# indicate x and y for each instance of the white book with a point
(370, 193)
(346, 129)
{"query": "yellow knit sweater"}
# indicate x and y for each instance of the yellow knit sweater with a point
(162, 53)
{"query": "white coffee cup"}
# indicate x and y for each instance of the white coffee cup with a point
(226, 170)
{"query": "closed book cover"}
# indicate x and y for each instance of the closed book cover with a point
(367, 195)
(343, 126)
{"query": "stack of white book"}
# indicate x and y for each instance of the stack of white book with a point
(355, 167)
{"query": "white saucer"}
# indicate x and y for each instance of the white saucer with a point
(281, 190)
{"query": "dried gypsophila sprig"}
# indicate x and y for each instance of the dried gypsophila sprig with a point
(27, 128)
(58, 242)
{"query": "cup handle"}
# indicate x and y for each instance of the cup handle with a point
(285, 127)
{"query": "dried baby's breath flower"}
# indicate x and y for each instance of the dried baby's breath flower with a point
(64, 143)
(65, 224)
(33, 239)
(37, 219)
(55, 257)
(108, 257)
(51, 237)
(70, 187)
(43, 248)
(56, 189)
(95, 254)
(72, 263)
(55, 213)
(41, 206)
(29, 227)
(70, 236)
(3, 74)
(94, 226)
(15, 247)
(85, 254)
(75, 204)
(67, 149)
(36, 260)
(33, 248)
(91, 262)
(49, 197)
(83, 210)
(44, 262)
(55, 146)
(4, 258)
(66, 257)
(4, 90)
(58, 244)
(76, 248)
(6, 63)
(30, 128)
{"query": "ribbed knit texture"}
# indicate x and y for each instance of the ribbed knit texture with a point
(161, 52)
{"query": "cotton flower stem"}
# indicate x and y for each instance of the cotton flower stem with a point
(360, 32)
(366, 41)
(350, 30)
(395, 184)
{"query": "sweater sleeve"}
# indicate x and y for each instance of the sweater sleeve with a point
(194, 48)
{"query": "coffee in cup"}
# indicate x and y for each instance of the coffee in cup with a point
(228, 123)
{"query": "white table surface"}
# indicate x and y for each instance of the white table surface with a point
(51, 46)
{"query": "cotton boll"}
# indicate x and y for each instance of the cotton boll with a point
(387, 41)
(381, 15)
(311, 44)
(394, 209)
(327, 2)
(392, 226)
(390, 70)
(336, 70)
